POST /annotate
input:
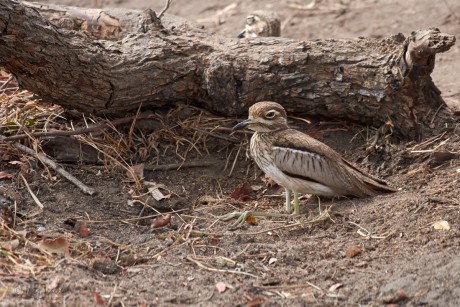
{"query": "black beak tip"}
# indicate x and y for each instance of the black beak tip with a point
(239, 126)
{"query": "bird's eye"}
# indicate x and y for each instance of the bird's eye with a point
(270, 114)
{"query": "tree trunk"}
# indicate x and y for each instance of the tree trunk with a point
(112, 61)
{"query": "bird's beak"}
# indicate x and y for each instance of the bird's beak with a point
(242, 34)
(245, 123)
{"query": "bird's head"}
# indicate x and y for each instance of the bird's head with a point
(261, 24)
(254, 27)
(265, 116)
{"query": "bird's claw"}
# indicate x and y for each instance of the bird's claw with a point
(241, 218)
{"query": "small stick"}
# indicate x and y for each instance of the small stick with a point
(133, 218)
(436, 113)
(201, 265)
(160, 167)
(168, 2)
(177, 166)
(6, 82)
(232, 132)
(218, 136)
(290, 287)
(53, 165)
(78, 131)
(36, 200)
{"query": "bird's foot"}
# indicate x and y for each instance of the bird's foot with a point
(242, 217)
(288, 207)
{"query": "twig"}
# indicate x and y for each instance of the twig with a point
(369, 234)
(36, 200)
(113, 293)
(290, 287)
(436, 113)
(201, 265)
(133, 218)
(236, 159)
(80, 130)
(218, 136)
(53, 165)
(426, 143)
(6, 82)
(168, 2)
(177, 166)
(233, 131)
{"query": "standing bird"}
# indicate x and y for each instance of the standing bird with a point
(261, 23)
(300, 163)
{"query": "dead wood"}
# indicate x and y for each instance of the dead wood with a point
(111, 61)
(47, 161)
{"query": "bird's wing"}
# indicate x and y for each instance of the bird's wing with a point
(299, 155)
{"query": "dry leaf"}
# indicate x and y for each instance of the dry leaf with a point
(400, 294)
(98, 299)
(255, 302)
(161, 221)
(251, 220)
(353, 251)
(272, 260)
(54, 283)
(156, 193)
(214, 239)
(361, 264)
(15, 163)
(441, 225)
(242, 192)
(57, 246)
(5, 175)
(83, 229)
(9, 245)
(245, 197)
(268, 181)
(335, 287)
(221, 287)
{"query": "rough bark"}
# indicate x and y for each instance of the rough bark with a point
(111, 61)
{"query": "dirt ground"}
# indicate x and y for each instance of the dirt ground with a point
(376, 251)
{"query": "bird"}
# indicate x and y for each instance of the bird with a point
(261, 24)
(301, 163)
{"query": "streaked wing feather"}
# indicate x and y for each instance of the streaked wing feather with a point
(304, 156)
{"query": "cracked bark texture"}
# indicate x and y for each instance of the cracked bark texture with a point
(112, 61)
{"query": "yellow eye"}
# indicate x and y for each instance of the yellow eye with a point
(270, 114)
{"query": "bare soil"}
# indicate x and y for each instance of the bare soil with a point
(375, 251)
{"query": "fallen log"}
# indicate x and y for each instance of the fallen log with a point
(111, 61)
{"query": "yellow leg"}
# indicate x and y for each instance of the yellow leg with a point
(296, 203)
(288, 201)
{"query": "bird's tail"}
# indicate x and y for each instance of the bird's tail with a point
(368, 185)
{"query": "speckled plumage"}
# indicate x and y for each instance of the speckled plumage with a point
(261, 23)
(301, 163)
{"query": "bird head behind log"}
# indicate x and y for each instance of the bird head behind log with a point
(261, 23)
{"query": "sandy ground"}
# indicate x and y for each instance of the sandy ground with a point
(369, 252)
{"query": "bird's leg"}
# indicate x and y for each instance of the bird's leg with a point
(242, 216)
(296, 203)
(288, 201)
